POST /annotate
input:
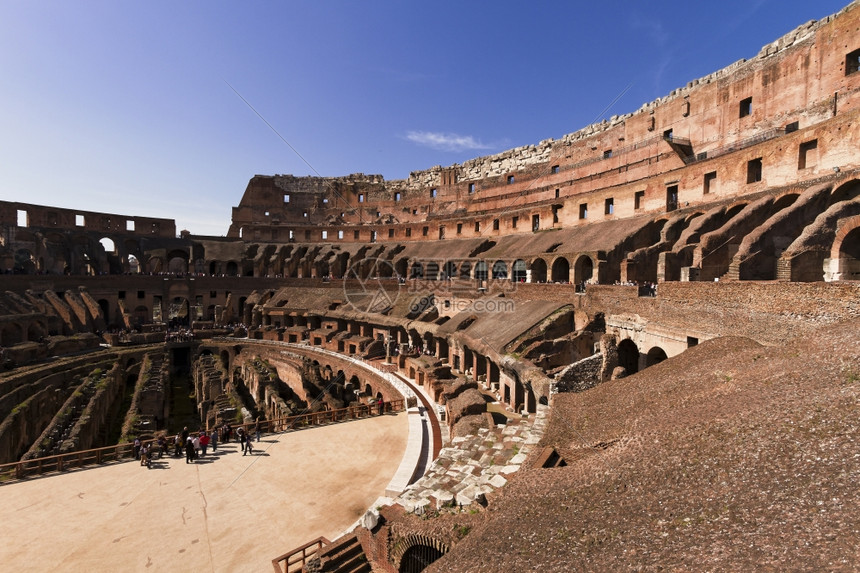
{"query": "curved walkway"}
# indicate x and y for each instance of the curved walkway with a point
(227, 512)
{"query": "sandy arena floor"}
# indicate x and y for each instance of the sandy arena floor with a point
(227, 512)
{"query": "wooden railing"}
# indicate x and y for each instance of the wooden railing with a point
(298, 557)
(125, 452)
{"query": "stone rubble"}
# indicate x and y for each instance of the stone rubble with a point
(476, 465)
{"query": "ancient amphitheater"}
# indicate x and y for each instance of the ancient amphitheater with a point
(634, 347)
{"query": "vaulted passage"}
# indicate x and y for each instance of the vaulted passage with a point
(628, 356)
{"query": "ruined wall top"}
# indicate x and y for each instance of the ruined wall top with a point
(528, 155)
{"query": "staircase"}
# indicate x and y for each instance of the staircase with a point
(344, 556)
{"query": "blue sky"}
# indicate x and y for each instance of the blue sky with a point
(128, 107)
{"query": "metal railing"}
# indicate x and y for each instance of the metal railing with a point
(125, 452)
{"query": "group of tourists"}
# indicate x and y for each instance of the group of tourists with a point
(195, 444)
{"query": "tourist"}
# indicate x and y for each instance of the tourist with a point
(177, 445)
(214, 440)
(196, 442)
(189, 450)
(204, 442)
(162, 446)
(240, 437)
(257, 429)
(144, 455)
(248, 442)
(136, 448)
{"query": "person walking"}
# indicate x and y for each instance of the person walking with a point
(257, 429)
(213, 439)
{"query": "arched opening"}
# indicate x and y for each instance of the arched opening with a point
(432, 272)
(401, 266)
(108, 245)
(583, 269)
(133, 265)
(481, 271)
(36, 331)
(518, 272)
(417, 271)
(846, 191)
(500, 270)
(538, 271)
(418, 557)
(450, 270)
(561, 270)
(232, 269)
(849, 256)
(10, 335)
(24, 263)
(628, 356)
(655, 356)
(177, 262)
(178, 312)
(466, 270)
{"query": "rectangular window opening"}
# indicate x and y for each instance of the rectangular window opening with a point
(852, 62)
(324, 235)
(361, 197)
(340, 234)
(710, 185)
(425, 231)
(408, 231)
(471, 188)
(583, 210)
(671, 197)
(754, 169)
(129, 225)
(555, 168)
(286, 198)
(745, 107)
(514, 221)
(23, 218)
(609, 206)
(397, 196)
(607, 154)
(808, 154)
(535, 222)
(355, 235)
(390, 233)
(638, 200)
(495, 224)
(511, 179)
(459, 228)
(477, 226)
(79, 220)
(433, 192)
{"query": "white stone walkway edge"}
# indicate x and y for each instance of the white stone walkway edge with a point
(417, 420)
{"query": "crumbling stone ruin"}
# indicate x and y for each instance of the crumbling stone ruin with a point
(499, 287)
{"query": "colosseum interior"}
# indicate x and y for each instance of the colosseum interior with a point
(634, 347)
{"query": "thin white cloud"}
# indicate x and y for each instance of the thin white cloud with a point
(445, 141)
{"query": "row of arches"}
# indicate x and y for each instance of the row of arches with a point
(518, 270)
